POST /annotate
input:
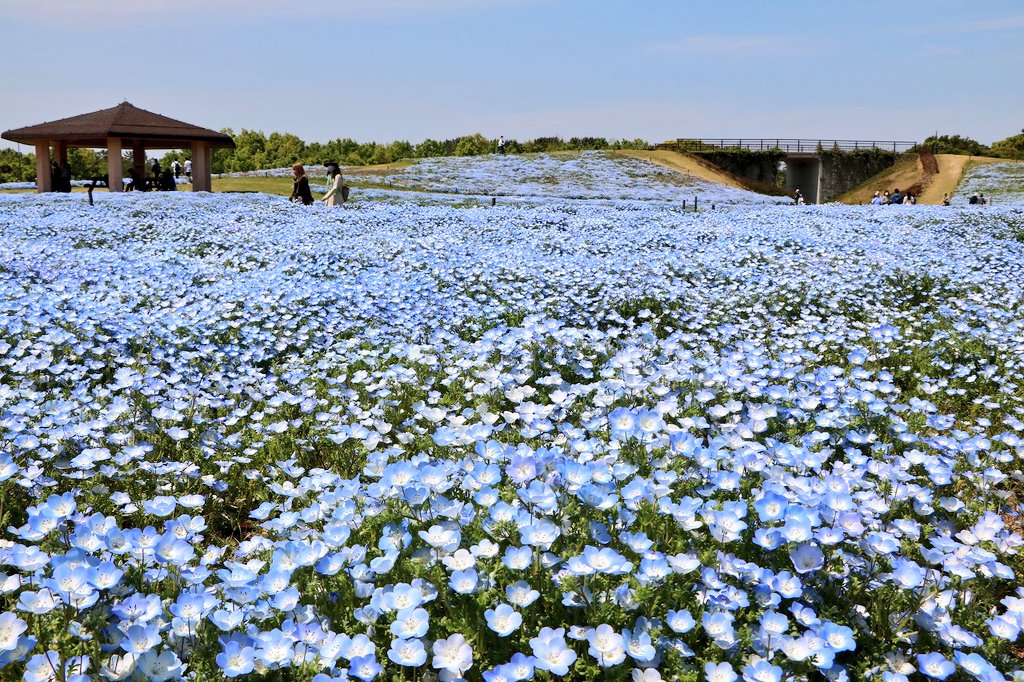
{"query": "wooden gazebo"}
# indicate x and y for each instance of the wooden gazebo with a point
(117, 128)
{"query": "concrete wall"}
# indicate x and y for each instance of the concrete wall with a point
(804, 173)
(842, 171)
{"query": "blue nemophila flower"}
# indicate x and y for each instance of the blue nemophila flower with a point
(807, 558)
(464, 582)
(599, 560)
(518, 558)
(42, 667)
(407, 652)
(540, 534)
(503, 619)
(364, 668)
(357, 647)
(140, 608)
(521, 594)
(607, 646)
(236, 659)
(227, 619)
(453, 655)
(440, 537)
(719, 627)
(552, 652)
(639, 645)
(680, 621)
(410, 622)
(1004, 627)
(274, 648)
(11, 627)
(975, 664)
(160, 666)
(720, 672)
(402, 596)
(771, 507)
(119, 667)
(935, 665)
(138, 639)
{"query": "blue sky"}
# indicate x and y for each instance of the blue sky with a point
(415, 69)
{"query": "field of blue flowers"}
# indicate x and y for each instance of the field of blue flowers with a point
(587, 436)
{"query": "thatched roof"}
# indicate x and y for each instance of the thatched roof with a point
(123, 121)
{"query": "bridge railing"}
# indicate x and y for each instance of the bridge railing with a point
(808, 146)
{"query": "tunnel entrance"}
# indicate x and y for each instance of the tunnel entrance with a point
(804, 173)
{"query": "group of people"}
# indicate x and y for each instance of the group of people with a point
(177, 167)
(60, 176)
(897, 197)
(337, 190)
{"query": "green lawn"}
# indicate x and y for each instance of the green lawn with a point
(270, 185)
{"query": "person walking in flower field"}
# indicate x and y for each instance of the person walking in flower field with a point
(337, 192)
(300, 186)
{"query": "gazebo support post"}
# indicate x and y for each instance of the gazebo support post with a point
(115, 172)
(60, 152)
(44, 180)
(139, 160)
(201, 180)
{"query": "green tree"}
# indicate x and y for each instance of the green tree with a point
(474, 145)
(544, 144)
(282, 150)
(86, 163)
(15, 167)
(398, 150)
(953, 144)
(1011, 147)
(427, 149)
(220, 158)
(250, 152)
(169, 157)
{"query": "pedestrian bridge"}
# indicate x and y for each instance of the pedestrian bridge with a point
(820, 169)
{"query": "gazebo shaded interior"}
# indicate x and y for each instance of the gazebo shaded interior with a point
(118, 128)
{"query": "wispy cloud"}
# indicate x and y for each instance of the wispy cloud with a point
(737, 46)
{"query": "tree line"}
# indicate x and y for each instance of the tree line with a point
(1011, 147)
(254, 150)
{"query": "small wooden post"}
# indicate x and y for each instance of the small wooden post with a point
(695, 204)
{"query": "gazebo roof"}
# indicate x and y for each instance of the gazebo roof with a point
(123, 121)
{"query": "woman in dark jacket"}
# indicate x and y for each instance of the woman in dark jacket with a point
(300, 187)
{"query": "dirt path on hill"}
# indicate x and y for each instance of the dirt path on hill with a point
(951, 169)
(683, 164)
(909, 173)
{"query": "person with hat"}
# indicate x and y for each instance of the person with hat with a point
(336, 187)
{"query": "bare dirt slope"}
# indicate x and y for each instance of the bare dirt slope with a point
(684, 165)
(951, 170)
(908, 173)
